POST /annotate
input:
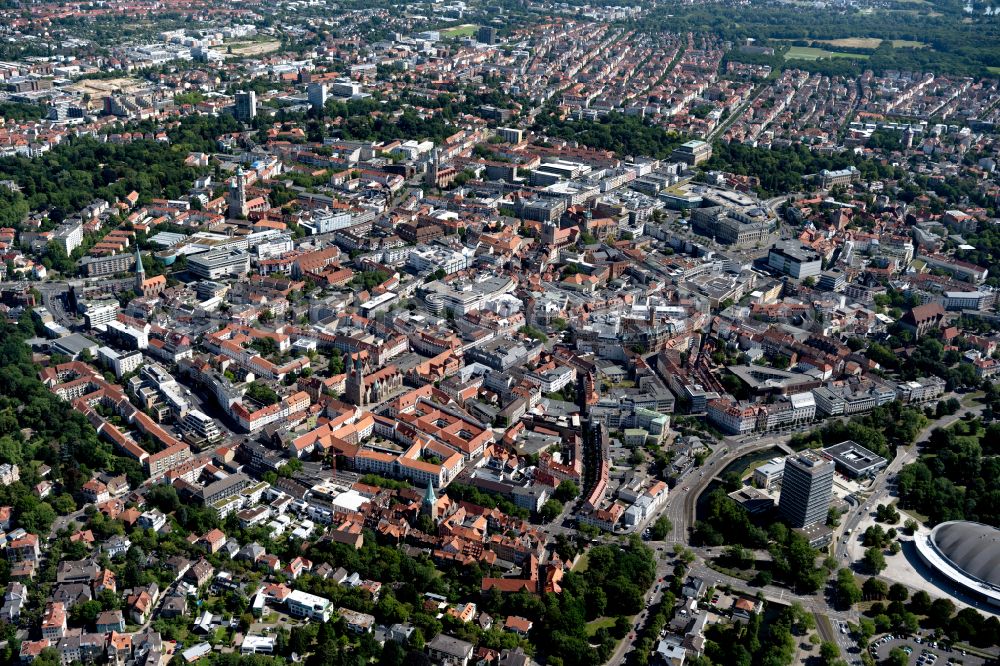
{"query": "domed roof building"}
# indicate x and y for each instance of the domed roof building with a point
(966, 553)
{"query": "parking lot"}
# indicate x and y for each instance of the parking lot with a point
(923, 653)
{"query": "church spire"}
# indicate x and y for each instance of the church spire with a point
(429, 506)
(140, 272)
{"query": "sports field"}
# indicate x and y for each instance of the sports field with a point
(465, 30)
(813, 53)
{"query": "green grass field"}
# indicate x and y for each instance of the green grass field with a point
(466, 30)
(811, 53)
(593, 626)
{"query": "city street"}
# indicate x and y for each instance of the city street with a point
(681, 506)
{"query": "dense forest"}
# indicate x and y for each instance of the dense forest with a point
(373, 120)
(19, 112)
(71, 175)
(958, 476)
(955, 46)
(74, 173)
(364, 127)
(13, 208)
(781, 170)
(625, 135)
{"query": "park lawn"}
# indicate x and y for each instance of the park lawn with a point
(852, 42)
(581, 564)
(594, 625)
(993, 70)
(465, 30)
(972, 399)
(812, 53)
(869, 43)
(912, 513)
(743, 574)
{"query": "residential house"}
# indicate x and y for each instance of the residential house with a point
(24, 549)
(173, 606)
(54, 621)
(444, 649)
(200, 573)
(359, 623)
(141, 601)
(519, 625)
(13, 601)
(110, 621)
(116, 545)
(213, 541)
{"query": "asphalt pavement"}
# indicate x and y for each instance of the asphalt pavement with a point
(922, 654)
(681, 505)
(882, 487)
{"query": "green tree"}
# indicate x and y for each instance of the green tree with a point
(336, 366)
(920, 602)
(829, 653)
(875, 560)
(848, 591)
(164, 497)
(897, 657)
(551, 510)
(566, 491)
(940, 612)
(64, 504)
(898, 592)
(261, 393)
(85, 612)
(874, 588)
(660, 528)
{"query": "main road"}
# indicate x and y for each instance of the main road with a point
(682, 503)
(813, 603)
(681, 509)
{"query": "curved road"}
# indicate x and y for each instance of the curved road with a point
(683, 500)
(682, 503)
(680, 509)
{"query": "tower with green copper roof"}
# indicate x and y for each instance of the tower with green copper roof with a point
(429, 505)
(140, 271)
